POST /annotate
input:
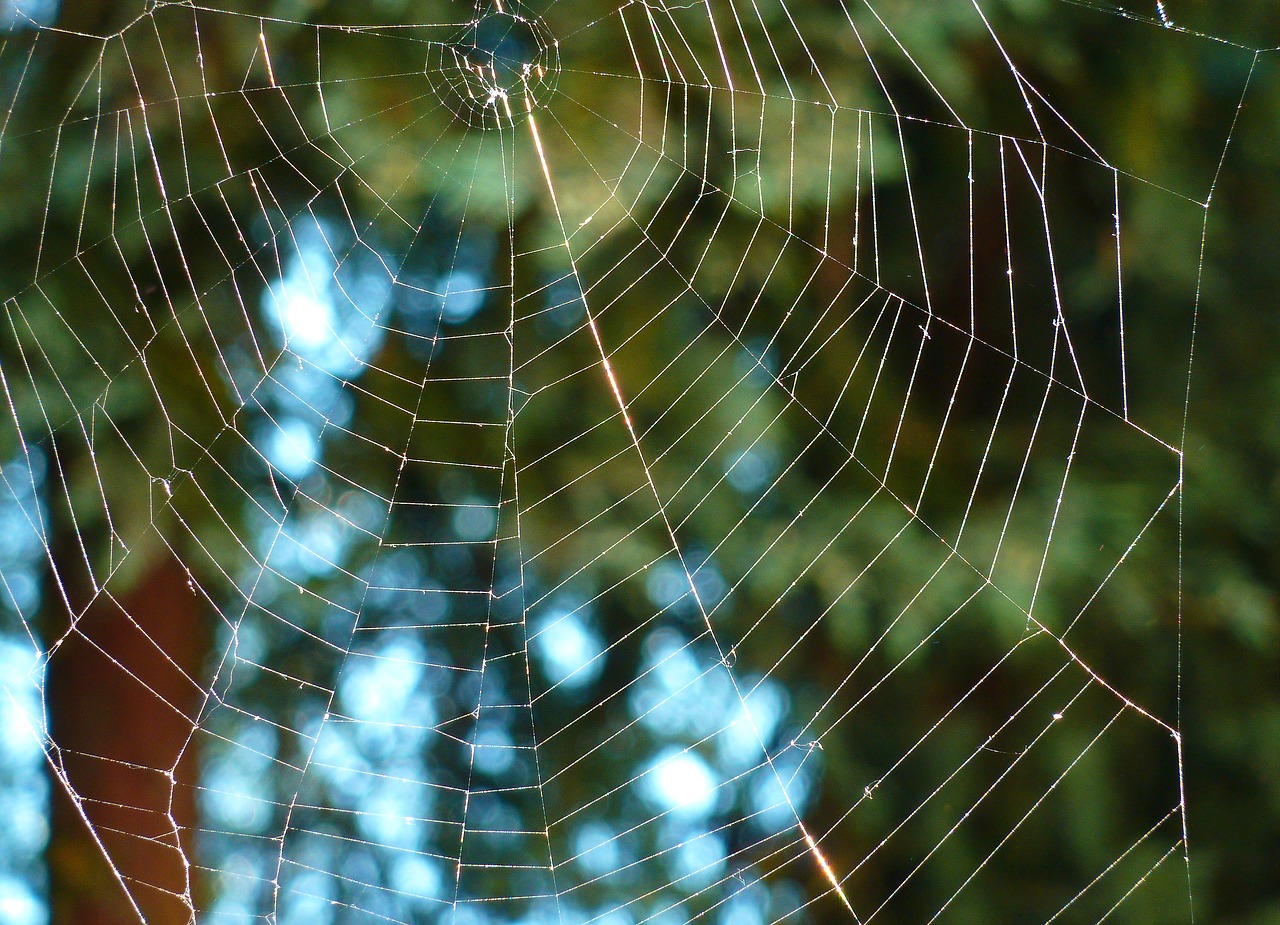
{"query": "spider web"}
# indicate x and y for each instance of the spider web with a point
(553, 409)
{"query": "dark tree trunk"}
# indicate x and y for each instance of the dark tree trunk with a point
(121, 690)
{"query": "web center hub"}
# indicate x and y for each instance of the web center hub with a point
(497, 68)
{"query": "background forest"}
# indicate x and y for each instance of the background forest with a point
(710, 453)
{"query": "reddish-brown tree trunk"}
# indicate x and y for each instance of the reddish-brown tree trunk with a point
(122, 690)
